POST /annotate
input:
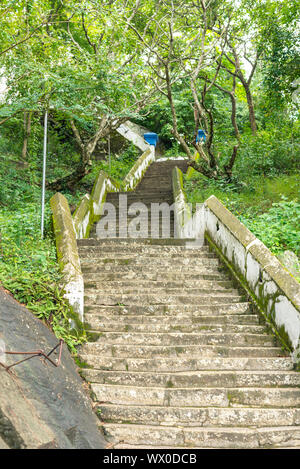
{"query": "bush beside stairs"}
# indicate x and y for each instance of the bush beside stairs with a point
(182, 359)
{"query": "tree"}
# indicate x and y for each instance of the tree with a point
(98, 84)
(186, 40)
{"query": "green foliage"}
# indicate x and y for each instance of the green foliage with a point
(272, 151)
(269, 207)
(28, 265)
(278, 228)
(159, 117)
(118, 168)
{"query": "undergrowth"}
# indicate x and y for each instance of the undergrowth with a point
(269, 207)
(29, 270)
(28, 263)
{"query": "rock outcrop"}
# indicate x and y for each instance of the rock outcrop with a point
(41, 406)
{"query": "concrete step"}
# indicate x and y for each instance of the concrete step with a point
(197, 397)
(116, 234)
(140, 248)
(200, 416)
(236, 321)
(160, 298)
(195, 379)
(171, 242)
(196, 311)
(184, 257)
(172, 351)
(145, 219)
(195, 437)
(100, 326)
(142, 196)
(182, 339)
(160, 292)
(136, 276)
(156, 448)
(151, 286)
(150, 270)
(193, 363)
(152, 263)
(204, 266)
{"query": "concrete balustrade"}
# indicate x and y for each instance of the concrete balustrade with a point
(68, 229)
(271, 286)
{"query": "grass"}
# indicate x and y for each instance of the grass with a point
(28, 264)
(268, 206)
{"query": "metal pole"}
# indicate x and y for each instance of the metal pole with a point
(44, 172)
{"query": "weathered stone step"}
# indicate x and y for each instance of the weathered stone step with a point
(131, 220)
(136, 248)
(190, 437)
(186, 321)
(173, 351)
(115, 235)
(124, 268)
(166, 328)
(140, 207)
(167, 242)
(135, 275)
(160, 298)
(197, 397)
(143, 197)
(199, 417)
(154, 262)
(160, 292)
(185, 257)
(142, 193)
(111, 326)
(150, 286)
(196, 363)
(159, 447)
(195, 379)
(172, 310)
(182, 339)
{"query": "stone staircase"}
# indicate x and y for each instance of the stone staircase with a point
(155, 188)
(181, 359)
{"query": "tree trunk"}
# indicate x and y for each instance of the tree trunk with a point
(86, 150)
(250, 104)
(71, 180)
(229, 166)
(251, 111)
(233, 116)
(27, 130)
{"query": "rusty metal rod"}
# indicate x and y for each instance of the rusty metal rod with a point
(36, 353)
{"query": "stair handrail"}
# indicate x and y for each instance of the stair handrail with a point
(68, 228)
(90, 208)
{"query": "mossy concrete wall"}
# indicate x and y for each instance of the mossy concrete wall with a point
(137, 172)
(90, 208)
(191, 170)
(67, 252)
(128, 130)
(82, 217)
(273, 288)
(68, 229)
(103, 184)
(187, 225)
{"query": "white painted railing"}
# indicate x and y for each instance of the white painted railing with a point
(67, 228)
(272, 288)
